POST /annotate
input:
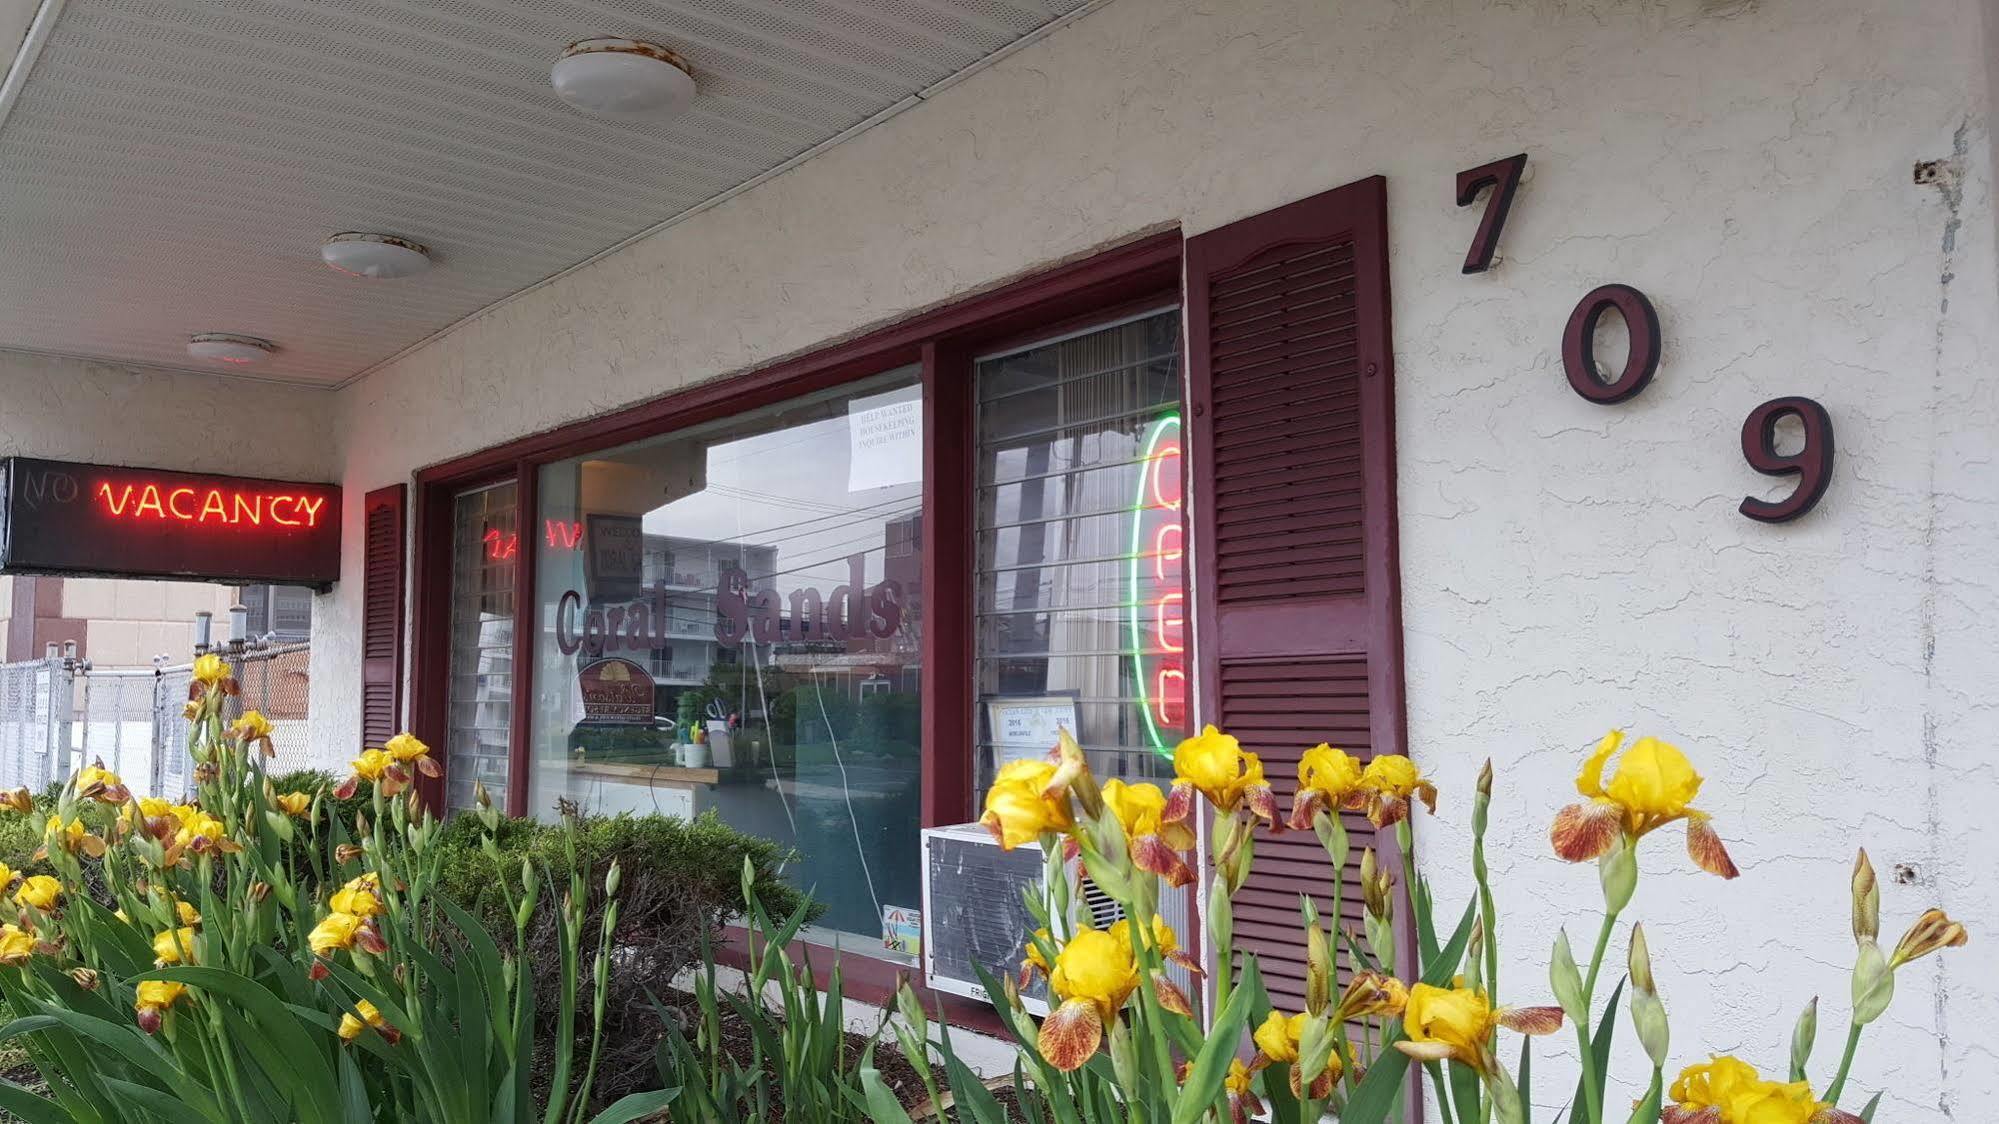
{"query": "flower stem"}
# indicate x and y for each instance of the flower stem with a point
(1596, 958)
(1592, 1092)
(1418, 907)
(1838, 1085)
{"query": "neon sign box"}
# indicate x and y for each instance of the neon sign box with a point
(62, 517)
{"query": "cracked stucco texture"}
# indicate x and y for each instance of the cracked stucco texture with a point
(107, 413)
(1566, 567)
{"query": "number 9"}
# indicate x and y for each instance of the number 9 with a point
(1811, 464)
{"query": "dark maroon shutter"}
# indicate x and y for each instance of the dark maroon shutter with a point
(382, 616)
(1297, 614)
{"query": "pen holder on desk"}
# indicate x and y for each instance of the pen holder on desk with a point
(721, 744)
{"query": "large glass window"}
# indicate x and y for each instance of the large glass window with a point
(1080, 549)
(728, 618)
(485, 551)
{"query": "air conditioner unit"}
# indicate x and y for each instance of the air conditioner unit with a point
(975, 912)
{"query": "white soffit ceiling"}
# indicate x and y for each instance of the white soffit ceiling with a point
(171, 166)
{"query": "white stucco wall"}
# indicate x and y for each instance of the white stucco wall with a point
(1566, 566)
(108, 413)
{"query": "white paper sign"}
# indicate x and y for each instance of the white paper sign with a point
(885, 432)
(1026, 729)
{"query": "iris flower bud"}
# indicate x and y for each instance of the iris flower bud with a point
(1567, 980)
(1802, 1037)
(1618, 871)
(1873, 984)
(1866, 900)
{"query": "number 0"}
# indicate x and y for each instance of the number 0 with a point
(1812, 464)
(1641, 324)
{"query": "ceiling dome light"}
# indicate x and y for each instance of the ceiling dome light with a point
(623, 77)
(375, 255)
(226, 347)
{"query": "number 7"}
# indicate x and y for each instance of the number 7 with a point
(1503, 177)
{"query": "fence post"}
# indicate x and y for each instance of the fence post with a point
(62, 716)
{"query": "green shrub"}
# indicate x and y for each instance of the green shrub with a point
(681, 882)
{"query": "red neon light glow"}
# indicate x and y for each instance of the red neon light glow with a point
(561, 535)
(1164, 552)
(1169, 622)
(220, 506)
(1158, 622)
(1169, 694)
(502, 547)
(1166, 477)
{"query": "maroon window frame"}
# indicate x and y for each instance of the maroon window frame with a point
(943, 342)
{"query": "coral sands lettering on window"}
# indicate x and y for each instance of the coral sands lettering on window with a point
(853, 613)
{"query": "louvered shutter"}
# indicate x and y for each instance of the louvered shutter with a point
(382, 616)
(1297, 615)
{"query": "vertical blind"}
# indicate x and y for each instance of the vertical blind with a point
(1073, 605)
(485, 551)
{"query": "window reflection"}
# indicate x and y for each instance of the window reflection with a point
(729, 619)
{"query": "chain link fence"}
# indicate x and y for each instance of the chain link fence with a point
(58, 715)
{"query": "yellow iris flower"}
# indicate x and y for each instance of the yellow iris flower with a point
(95, 782)
(174, 946)
(1279, 1040)
(251, 726)
(16, 945)
(154, 997)
(352, 1026)
(40, 891)
(1019, 807)
(1727, 1090)
(253, 729)
(356, 901)
(200, 833)
(334, 932)
(1458, 1023)
(73, 837)
(1095, 973)
(1164, 941)
(1654, 785)
(1328, 780)
(210, 669)
(378, 767)
(1156, 844)
(294, 803)
(1389, 784)
(406, 749)
(1215, 765)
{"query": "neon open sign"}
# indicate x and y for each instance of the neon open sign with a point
(63, 517)
(1156, 605)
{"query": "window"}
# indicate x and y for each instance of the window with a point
(728, 619)
(283, 612)
(1079, 546)
(485, 550)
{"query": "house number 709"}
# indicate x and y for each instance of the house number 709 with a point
(1811, 464)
